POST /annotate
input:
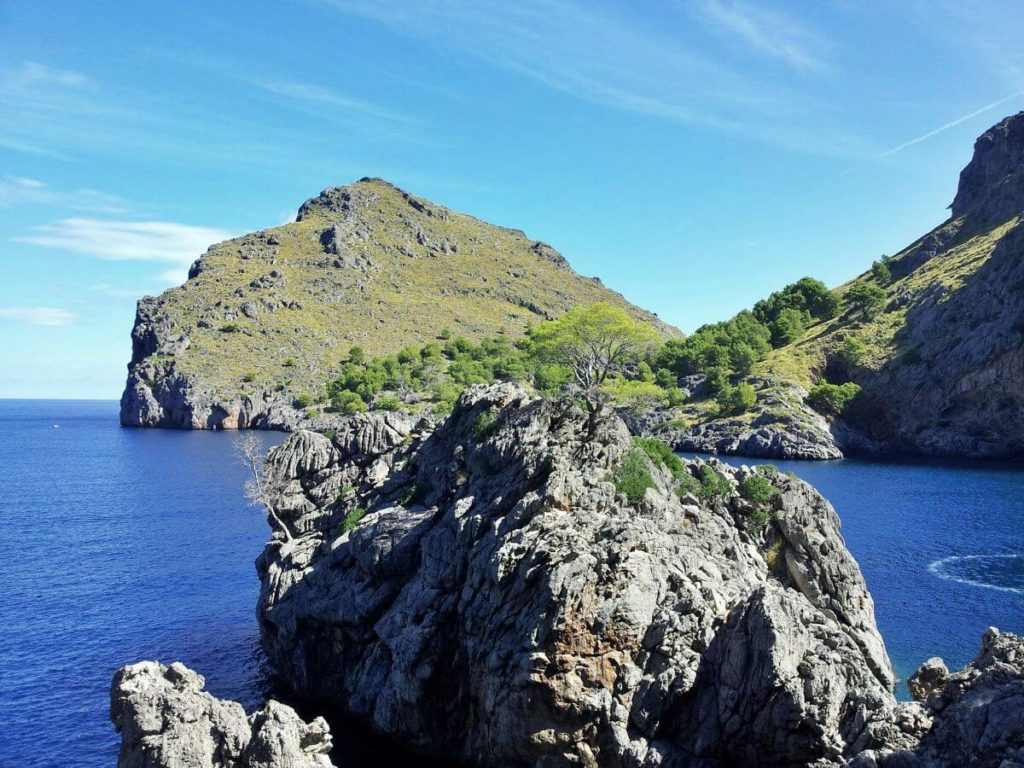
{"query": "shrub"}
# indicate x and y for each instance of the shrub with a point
(352, 519)
(632, 476)
(387, 403)
(675, 397)
(303, 400)
(230, 328)
(713, 484)
(832, 399)
(854, 350)
(347, 402)
(356, 356)
(249, 376)
(659, 453)
(776, 554)
(758, 489)
(736, 400)
(414, 494)
(289, 363)
(688, 485)
(485, 425)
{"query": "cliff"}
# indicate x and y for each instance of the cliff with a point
(270, 315)
(942, 362)
(500, 591)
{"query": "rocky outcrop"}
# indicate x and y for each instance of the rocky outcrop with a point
(167, 720)
(972, 717)
(781, 426)
(484, 592)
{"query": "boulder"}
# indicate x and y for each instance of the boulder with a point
(167, 720)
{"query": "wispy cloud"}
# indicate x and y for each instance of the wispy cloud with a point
(951, 124)
(323, 96)
(21, 191)
(616, 58)
(160, 241)
(768, 32)
(45, 316)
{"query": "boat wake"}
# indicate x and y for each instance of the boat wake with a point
(1007, 571)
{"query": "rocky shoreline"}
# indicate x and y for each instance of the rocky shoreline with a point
(485, 591)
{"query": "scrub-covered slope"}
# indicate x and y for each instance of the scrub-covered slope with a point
(938, 358)
(270, 315)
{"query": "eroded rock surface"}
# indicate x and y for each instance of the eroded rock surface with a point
(974, 717)
(167, 720)
(499, 602)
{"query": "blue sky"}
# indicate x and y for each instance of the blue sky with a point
(695, 155)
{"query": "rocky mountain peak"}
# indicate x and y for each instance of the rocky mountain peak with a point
(992, 184)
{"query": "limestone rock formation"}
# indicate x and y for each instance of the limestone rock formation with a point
(974, 717)
(482, 591)
(167, 720)
(267, 317)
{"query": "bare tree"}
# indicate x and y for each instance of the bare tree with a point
(259, 490)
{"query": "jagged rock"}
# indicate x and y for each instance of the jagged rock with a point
(499, 601)
(977, 714)
(167, 720)
(929, 677)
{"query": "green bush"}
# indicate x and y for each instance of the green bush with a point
(832, 399)
(632, 476)
(854, 350)
(736, 400)
(758, 489)
(347, 403)
(303, 400)
(713, 484)
(289, 362)
(249, 377)
(230, 328)
(352, 519)
(485, 425)
(387, 403)
(659, 453)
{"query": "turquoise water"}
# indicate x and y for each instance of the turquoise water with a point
(122, 544)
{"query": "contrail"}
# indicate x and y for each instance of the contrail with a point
(949, 125)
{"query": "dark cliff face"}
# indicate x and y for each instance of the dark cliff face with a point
(957, 386)
(992, 184)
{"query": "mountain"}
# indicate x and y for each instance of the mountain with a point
(267, 316)
(940, 366)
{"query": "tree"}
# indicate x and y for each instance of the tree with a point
(865, 298)
(788, 327)
(261, 488)
(742, 358)
(594, 342)
(880, 272)
(347, 402)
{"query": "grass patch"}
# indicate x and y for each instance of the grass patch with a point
(485, 425)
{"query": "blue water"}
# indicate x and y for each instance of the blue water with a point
(118, 545)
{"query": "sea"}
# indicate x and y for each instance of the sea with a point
(118, 545)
